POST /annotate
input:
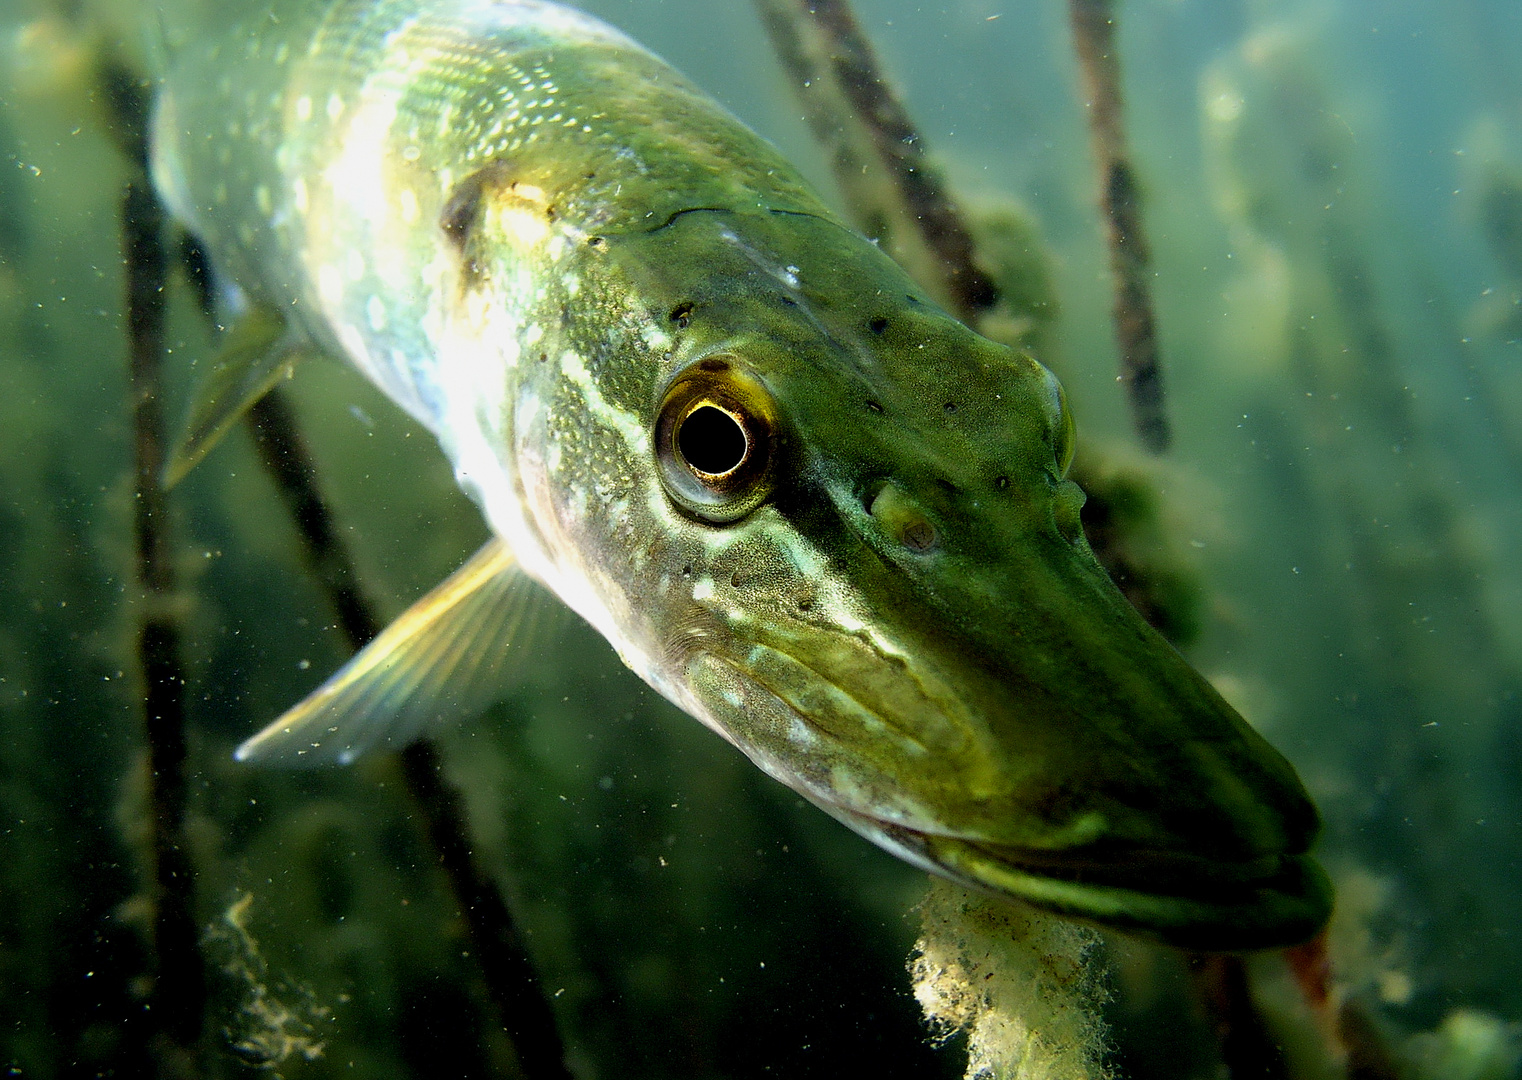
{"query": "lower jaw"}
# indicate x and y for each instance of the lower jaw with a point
(1215, 907)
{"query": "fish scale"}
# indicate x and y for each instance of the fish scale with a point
(568, 263)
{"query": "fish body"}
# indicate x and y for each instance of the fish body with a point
(801, 501)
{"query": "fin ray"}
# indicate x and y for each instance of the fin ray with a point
(446, 656)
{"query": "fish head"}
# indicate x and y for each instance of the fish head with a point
(874, 581)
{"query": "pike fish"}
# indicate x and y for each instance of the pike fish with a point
(798, 498)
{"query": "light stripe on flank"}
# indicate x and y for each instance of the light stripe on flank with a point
(629, 427)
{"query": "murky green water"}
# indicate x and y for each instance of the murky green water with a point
(1334, 194)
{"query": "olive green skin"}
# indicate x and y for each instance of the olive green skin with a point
(1007, 719)
(892, 609)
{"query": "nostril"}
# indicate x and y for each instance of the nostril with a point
(901, 519)
(919, 536)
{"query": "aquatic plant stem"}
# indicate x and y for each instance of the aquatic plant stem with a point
(828, 29)
(1247, 1046)
(175, 1004)
(507, 970)
(285, 457)
(834, 126)
(1141, 370)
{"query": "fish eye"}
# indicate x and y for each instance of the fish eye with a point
(714, 439)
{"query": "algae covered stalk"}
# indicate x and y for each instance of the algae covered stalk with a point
(1135, 325)
(178, 976)
(1022, 986)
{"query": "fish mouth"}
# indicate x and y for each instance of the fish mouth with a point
(1240, 894)
(1185, 901)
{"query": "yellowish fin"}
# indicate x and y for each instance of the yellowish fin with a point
(444, 658)
(256, 353)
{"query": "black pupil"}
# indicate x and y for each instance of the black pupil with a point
(711, 440)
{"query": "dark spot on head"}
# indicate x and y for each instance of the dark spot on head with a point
(1001, 483)
(950, 406)
(462, 208)
(549, 212)
(589, 176)
(686, 571)
(878, 325)
(596, 242)
(681, 314)
(714, 363)
(737, 579)
(806, 604)
(543, 357)
(875, 407)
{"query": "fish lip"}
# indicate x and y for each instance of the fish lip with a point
(1189, 902)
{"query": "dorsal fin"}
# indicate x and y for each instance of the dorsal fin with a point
(444, 658)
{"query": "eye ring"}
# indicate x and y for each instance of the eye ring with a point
(715, 437)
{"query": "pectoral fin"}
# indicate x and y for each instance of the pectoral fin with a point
(445, 657)
(256, 352)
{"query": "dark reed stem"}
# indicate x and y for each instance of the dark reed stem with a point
(505, 965)
(285, 456)
(895, 139)
(1369, 1056)
(1130, 258)
(1248, 1048)
(176, 999)
(835, 127)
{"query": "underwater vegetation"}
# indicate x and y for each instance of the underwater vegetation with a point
(1331, 197)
